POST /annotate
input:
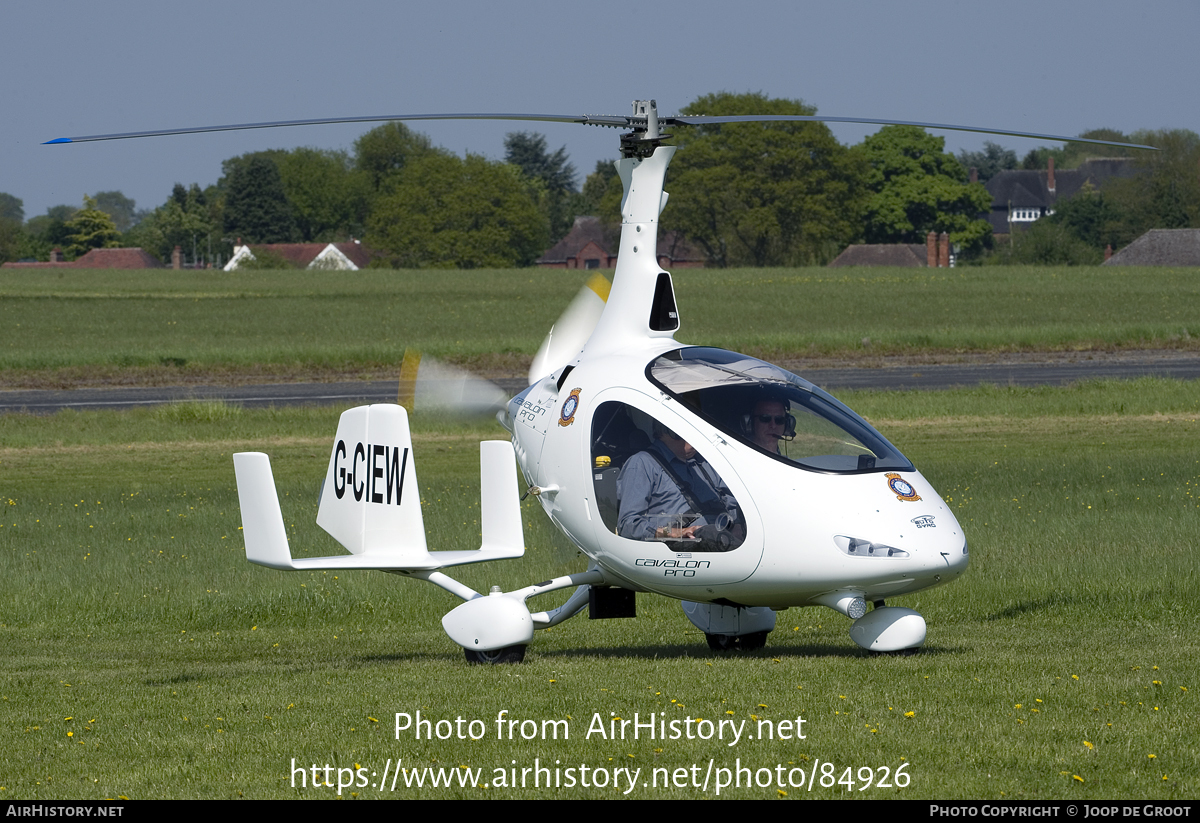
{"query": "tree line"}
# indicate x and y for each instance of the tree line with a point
(745, 194)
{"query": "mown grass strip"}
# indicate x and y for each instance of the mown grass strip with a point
(365, 320)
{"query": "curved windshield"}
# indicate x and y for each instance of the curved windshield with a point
(774, 411)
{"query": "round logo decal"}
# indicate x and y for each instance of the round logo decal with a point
(902, 488)
(571, 405)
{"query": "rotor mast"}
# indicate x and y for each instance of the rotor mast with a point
(641, 306)
(645, 137)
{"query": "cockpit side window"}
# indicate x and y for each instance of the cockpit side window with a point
(773, 410)
(652, 485)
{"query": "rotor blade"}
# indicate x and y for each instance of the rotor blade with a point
(570, 333)
(704, 120)
(616, 121)
(610, 120)
(428, 385)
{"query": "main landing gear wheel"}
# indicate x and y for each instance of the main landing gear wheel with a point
(737, 642)
(897, 653)
(509, 654)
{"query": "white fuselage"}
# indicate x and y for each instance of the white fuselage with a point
(793, 516)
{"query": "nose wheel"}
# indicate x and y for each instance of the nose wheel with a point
(736, 642)
(508, 654)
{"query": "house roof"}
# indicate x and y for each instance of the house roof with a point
(587, 229)
(1161, 247)
(1026, 188)
(590, 230)
(302, 254)
(130, 258)
(882, 254)
(134, 258)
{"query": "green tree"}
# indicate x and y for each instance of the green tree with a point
(1048, 243)
(256, 207)
(327, 198)
(991, 161)
(601, 194)
(1072, 153)
(49, 231)
(1091, 217)
(601, 197)
(385, 150)
(444, 211)
(11, 208)
(916, 188)
(15, 241)
(1165, 193)
(527, 151)
(763, 194)
(122, 209)
(90, 229)
(189, 219)
(554, 174)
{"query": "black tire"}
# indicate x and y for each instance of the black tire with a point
(509, 654)
(909, 652)
(737, 642)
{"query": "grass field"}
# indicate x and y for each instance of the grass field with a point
(143, 657)
(165, 326)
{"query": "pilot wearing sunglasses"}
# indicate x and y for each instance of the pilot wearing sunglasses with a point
(769, 423)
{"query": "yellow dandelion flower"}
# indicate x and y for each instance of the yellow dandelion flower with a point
(1075, 776)
(1088, 744)
(910, 714)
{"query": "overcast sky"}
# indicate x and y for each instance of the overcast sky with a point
(74, 68)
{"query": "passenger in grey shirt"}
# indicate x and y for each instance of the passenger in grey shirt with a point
(652, 505)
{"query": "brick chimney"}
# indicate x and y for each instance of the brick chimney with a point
(56, 256)
(931, 250)
(177, 258)
(973, 175)
(1050, 176)
(944, 251)
(1108, 252)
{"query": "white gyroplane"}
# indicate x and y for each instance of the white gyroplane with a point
(695, 473)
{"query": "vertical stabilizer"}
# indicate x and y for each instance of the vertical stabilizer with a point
(262, 520)
(370, 501)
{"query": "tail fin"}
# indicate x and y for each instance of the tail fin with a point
(370, 500)
(371, 504)
(262, 521)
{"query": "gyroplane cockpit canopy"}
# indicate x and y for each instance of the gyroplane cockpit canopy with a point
(774, 411)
